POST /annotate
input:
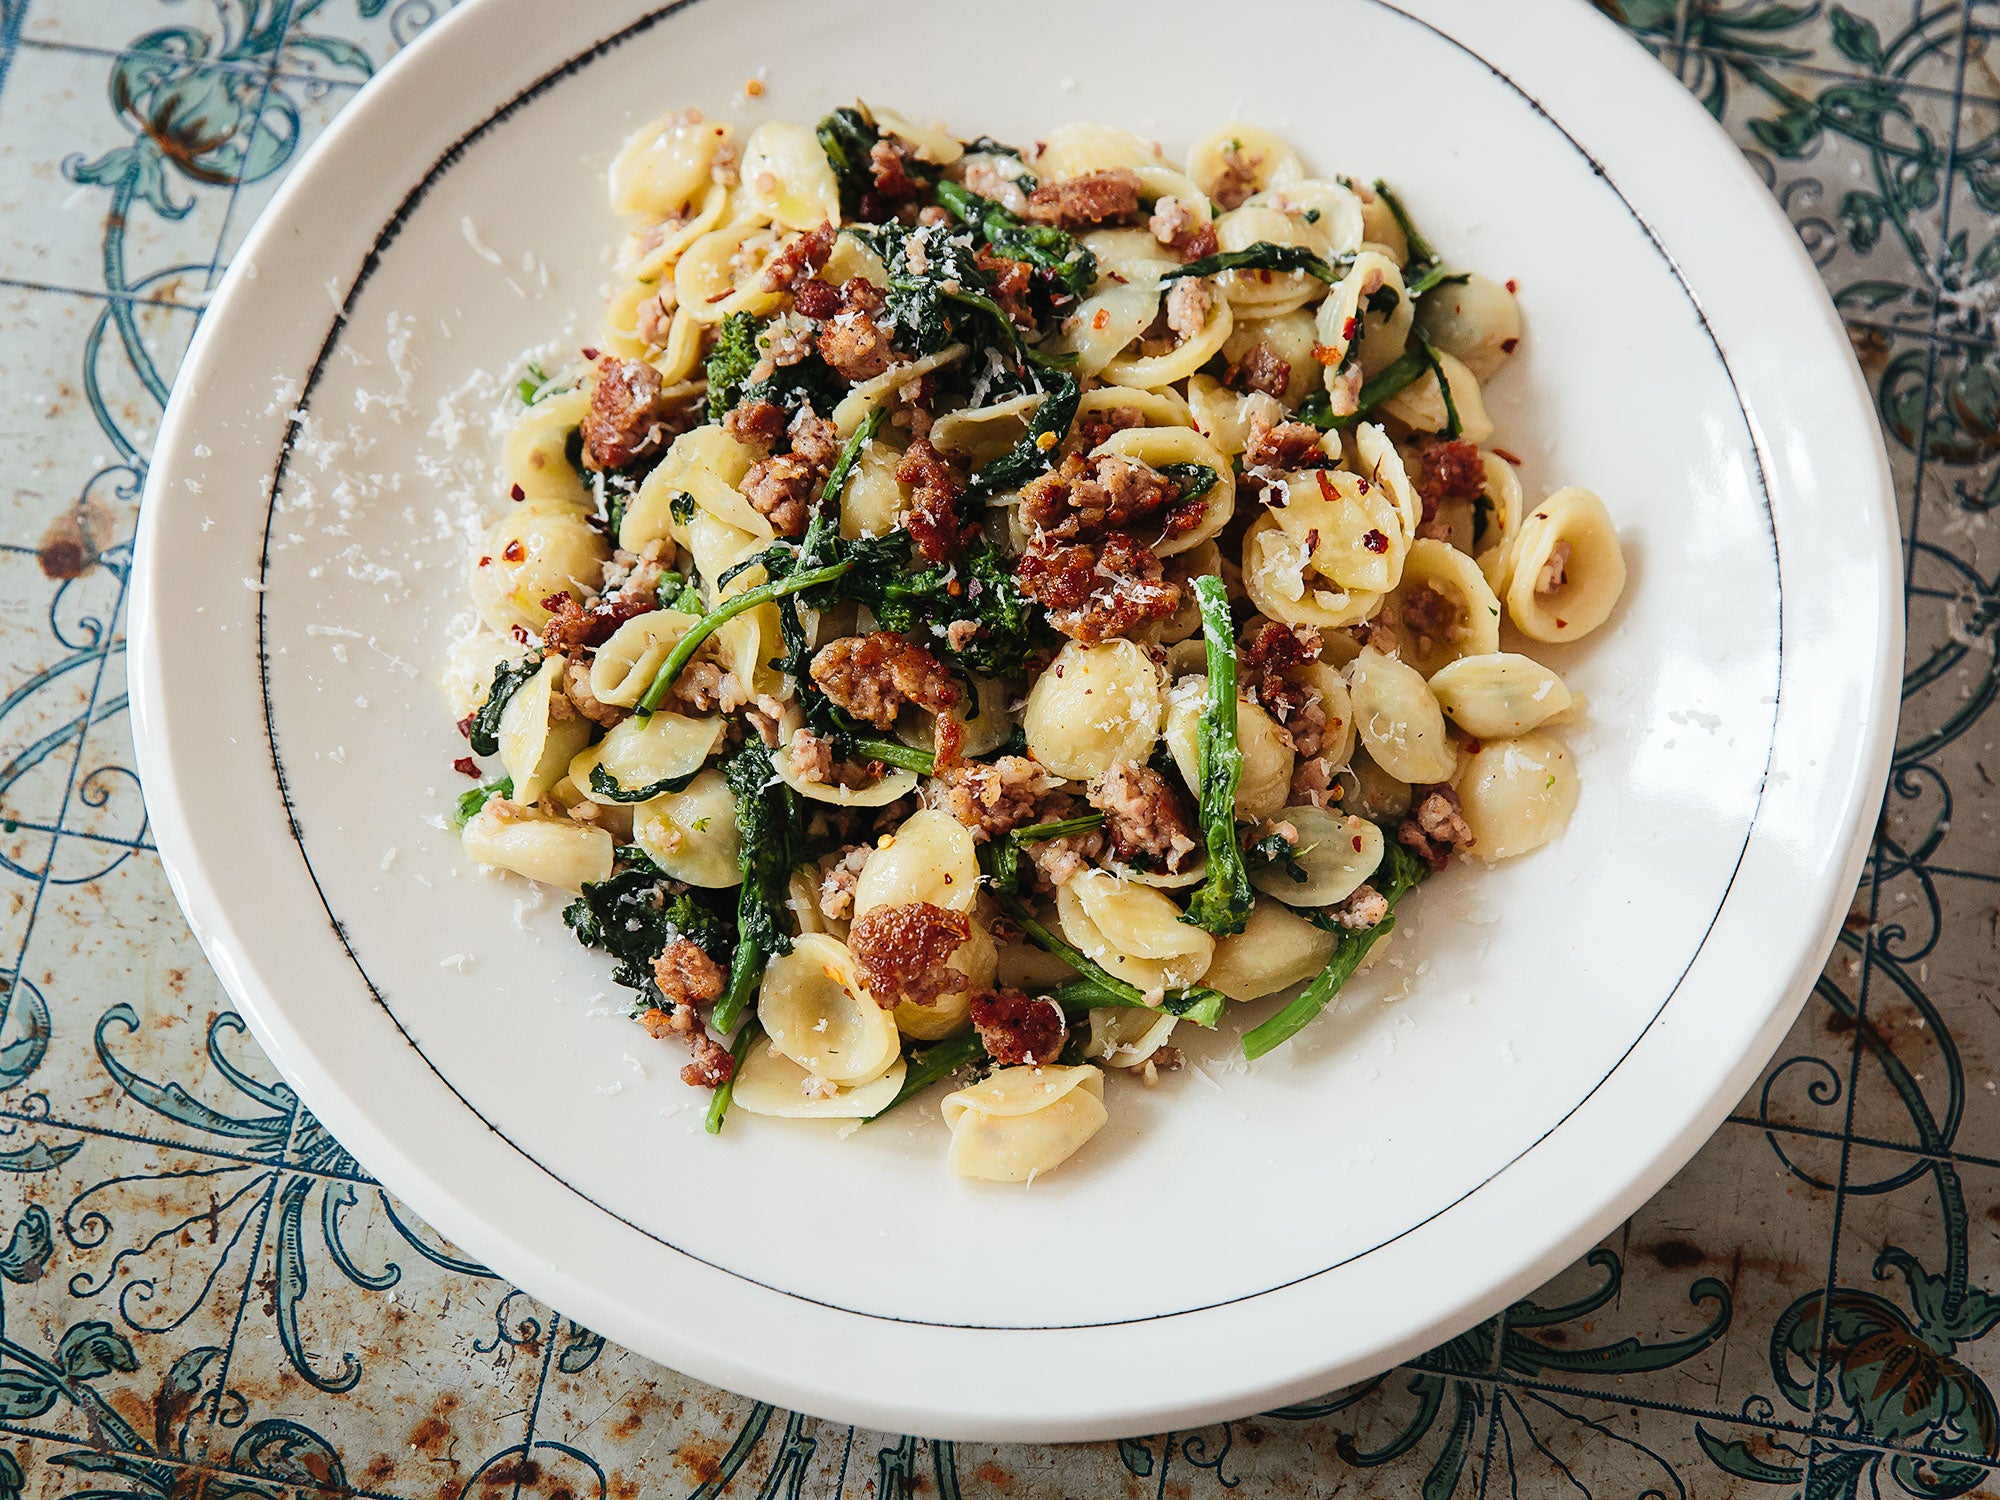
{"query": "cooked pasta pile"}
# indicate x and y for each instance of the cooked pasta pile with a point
(978, 613)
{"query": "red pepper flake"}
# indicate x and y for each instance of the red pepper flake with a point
(591, 355)
(514, 551)
(1326, 486)
(1347, 329)
(485, 562)
(1326, 354)
(1100, 319)
(1374, 541)
(1508, 346)
(1472, 746)
(1562, 624)
(520, 633)
(465, 726)
(1266, 275)
(518, 493)
(1511, 458)
(1513, 285)
(465, 765)
(1357, 843)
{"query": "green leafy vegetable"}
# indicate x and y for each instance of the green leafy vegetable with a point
(1262, 256)
(508, 677)
(1036, 451)
(944, 297)
(1425, 269)
(739, 1049)
(924, 1066)
(1096, 988)
(1042, 246)
(1002, 858)
(530, 389)
(468, 804)
(1192, 481)
(848, 136)
(979, 587)
(681, 507)
(677, 591)
(770, 829)
(1400, 871)
(1390, 380)
(633, 916)
(1275, 850)
(604, 784)
(1221, 903)
(731, 361)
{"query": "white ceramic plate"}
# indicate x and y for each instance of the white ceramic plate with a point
(1557, 1035)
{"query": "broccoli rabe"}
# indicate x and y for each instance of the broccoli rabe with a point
(731, 361)
(1221, 904)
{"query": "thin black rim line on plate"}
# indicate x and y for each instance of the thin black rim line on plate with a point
(372, 261)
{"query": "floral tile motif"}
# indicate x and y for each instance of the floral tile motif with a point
(334, 38)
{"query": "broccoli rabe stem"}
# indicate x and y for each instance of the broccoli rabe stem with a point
(739, 1049)
(1098, 989)
(1390, 380)
(924, 1067)
(1222, 902)
(817, 562)
(744, 971)
(1263, 256)
(1405, 871)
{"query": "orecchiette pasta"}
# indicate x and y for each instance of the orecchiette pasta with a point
(1517, 794)
(1566, 569)
(813, 1007)
(1022, 1122)
(822, 645)
(1094, 707)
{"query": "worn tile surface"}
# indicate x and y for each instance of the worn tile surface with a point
(201, 1293)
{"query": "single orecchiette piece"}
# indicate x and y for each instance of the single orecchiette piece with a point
(1517, 794)
(1021, 1122)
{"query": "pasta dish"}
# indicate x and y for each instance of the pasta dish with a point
(982, 614)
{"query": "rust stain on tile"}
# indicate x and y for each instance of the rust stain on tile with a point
(75, 539)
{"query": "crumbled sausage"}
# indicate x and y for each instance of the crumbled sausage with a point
(1092, 428)
(933, 520)
(576, 688)
(815, 440)
(1238, 180)
(1314, 782)
(1261, 368)
(904, 952)
(802, 258)
(1093, 591)
(687, 976)
(689, 979)
(1436, 828)
(1019, 1030)
(888, 168)
(1272, 649)
(1267, 655)
(994, 799)
(756, 424)
(1057, 861)
(1177, 226)
(986, 177)
(782, 489)
(1094, 198)
(1555, 572)
(1104, 492)
(705, 685)
(655, 319)
(1188, 307)
(627, 420)
(872, 676)
(571, 628)
(852, 341)
(1451, 469)
(1289, 445)
(1013, 282)
(1145, 817)
(836, 886)
(1365, 907)
(1427, 617)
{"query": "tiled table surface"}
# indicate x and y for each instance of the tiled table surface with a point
(204, 1295)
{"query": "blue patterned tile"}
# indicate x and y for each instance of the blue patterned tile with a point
(340, 39)
(1907, 42)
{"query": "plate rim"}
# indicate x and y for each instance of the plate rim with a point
(436, 1200)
